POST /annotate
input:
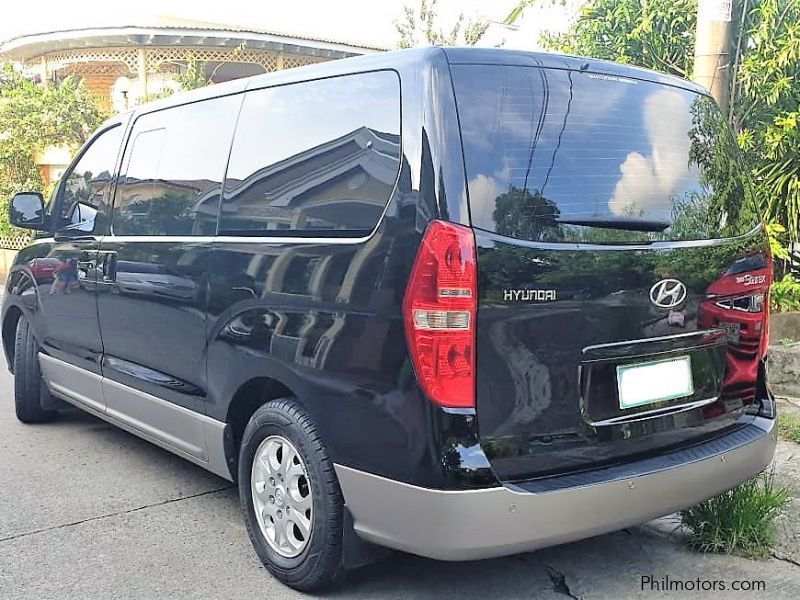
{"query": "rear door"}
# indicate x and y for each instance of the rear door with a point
(622, 279)
(152, 281)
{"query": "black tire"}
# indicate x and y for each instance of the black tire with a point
(29, 388)
(320, 564)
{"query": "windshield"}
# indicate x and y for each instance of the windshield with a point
(568, 156)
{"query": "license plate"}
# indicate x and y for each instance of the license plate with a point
(646, 383)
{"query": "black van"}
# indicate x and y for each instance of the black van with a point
(457, 302)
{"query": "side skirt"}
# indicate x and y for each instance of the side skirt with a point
(89, 391)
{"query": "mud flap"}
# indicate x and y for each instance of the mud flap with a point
(357, 552)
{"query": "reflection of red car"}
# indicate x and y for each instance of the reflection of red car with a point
(736, 302)
(44, 268)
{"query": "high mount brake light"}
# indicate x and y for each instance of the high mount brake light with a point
(439, 308)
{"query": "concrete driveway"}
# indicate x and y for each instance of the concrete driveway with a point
(88, 511)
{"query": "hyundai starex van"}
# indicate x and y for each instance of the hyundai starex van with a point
(462, 303)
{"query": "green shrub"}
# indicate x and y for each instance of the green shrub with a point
(789, 427)
(32, 118)
(740, 521)
(785, 294)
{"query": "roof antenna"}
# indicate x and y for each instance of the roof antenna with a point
(584, 67)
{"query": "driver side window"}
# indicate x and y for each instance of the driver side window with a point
(86, 190)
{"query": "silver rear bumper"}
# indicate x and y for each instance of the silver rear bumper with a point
(485, 523)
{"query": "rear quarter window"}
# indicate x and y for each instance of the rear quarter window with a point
(316, 158)
(567, 156)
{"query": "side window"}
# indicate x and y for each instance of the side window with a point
(314, 158)
(86, 189)
(173, 168)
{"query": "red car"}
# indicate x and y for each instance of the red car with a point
(44, 268)
(735, 302)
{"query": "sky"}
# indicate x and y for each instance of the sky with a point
(357, 21)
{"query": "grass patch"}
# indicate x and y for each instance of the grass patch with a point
(789, 427)
(740, 521)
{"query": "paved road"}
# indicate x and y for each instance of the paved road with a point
(88, 511)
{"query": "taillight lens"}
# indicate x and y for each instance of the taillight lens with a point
(440, 308)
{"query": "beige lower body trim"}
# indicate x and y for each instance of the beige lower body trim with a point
(193, 436)
(475, 524)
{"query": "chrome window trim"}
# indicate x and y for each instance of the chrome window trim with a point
(655, 245)
(233, 239)
(228, 239)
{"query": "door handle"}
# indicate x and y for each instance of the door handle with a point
(74, 238)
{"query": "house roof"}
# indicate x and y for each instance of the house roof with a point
(171, 31)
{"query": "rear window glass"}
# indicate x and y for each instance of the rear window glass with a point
(568, 156)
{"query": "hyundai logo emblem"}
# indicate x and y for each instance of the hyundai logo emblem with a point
(668, 293)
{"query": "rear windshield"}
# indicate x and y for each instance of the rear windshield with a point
(568, 156)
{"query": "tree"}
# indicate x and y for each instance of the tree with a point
(420, 28)
(659, 35)
(765, 107)
(524, 215)
(729, 206)
(166, 213)
(193, 77)
(32, 118)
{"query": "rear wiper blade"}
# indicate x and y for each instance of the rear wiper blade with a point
(625, 224)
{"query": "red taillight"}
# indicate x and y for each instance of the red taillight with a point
(439, 308)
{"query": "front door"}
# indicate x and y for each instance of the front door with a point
(152, 292)
(66, 270)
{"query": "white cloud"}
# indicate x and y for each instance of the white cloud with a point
(483, 190)
(649, 181)
(483, 193)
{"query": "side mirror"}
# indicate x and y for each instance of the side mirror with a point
(27, 211)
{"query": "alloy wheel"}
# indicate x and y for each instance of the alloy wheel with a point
(281, 494)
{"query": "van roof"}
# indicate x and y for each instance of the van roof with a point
(404, 58)
(553, 60)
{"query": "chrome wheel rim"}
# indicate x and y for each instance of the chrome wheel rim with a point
(281, 494)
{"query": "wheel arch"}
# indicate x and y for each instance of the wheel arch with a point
(9, 331)
(248, 398)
